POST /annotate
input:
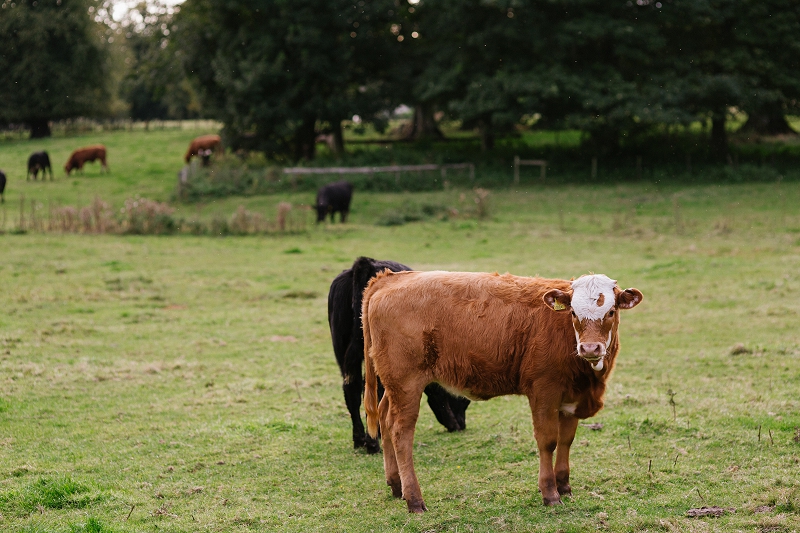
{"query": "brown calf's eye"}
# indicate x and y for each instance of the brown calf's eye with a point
(611, 313)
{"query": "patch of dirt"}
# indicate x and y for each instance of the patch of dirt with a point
(740, 349)
(283, 338)
(764, 509)
(709, 511)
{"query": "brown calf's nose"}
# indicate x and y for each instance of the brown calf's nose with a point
(595, 349)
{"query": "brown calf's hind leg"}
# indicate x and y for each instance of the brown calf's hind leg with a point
(545, 430)
(389, 457)
(567, 424)
(405, 410)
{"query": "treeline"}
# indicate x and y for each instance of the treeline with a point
(278, 73)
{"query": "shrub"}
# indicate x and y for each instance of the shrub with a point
(141, 216)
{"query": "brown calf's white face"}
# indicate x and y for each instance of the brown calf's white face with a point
(594, 302)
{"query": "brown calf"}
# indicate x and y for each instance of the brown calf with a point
(485, 335)
(86, 154)
(203, 143)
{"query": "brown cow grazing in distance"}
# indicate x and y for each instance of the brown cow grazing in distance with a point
(201, 144)
(87, 154)
(486, 335)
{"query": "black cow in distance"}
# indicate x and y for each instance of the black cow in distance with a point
(36, 162)
(332, 198)
(2, 186)
(344, 318)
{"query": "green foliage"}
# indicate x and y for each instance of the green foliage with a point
(53, 62)
(154, 85)
(271, 74)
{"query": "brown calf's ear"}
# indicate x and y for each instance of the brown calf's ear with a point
(629, 298)
(557, 300)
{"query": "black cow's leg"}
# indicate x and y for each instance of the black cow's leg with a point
(438, 400)
(458, 406)
(344, 216)
(353, 385)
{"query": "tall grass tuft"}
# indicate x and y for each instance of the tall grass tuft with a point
(481, 203)
(141, 216)
(46, 493)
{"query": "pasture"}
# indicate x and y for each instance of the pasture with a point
(188, 383)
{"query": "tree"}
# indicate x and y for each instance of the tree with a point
(276, 76)
(53, 62)
(464, 57)
(769, 31)
(155, 86)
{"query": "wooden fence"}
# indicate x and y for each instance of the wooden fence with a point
(397, 169)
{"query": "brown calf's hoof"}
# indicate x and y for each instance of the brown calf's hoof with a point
(417, 507)
(556, 501)
(565, 490)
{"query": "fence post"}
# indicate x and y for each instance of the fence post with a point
(516, 170)
(594, 167)
(544, 171)
(471, 172)
(638, 167)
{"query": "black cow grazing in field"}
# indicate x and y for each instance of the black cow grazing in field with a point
(334, 197)
(36, 162)
(3, 188)
(344, 317)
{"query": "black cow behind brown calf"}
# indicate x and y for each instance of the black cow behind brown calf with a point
(2, 186)
(344, 318)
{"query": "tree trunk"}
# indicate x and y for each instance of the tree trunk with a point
(424, 125)
(719, 137)
(305, 140)
(40, 128)
(767, 123)
(604, 141)
(338, 138)
(487, 135)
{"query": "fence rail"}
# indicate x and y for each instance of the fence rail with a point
(541, 163)
(294, 171)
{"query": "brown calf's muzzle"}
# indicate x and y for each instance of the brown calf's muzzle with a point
(592, 351)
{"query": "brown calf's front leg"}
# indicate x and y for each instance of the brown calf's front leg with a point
(545, 430)
(389, 457)
(567, 424)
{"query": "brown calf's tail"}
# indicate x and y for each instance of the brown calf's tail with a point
(371, 379)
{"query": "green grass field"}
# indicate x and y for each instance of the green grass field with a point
(188, 383)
